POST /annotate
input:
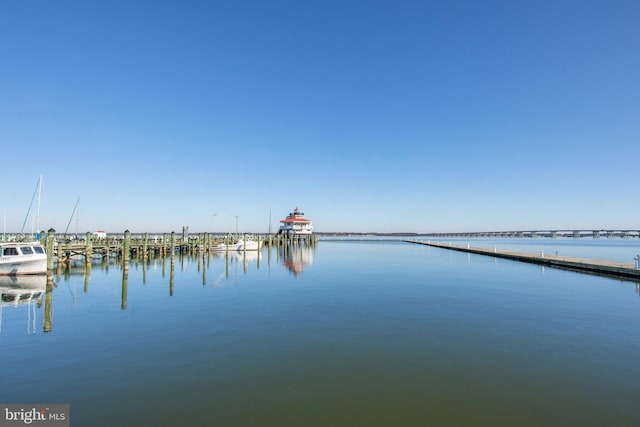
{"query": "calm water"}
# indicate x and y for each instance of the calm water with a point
(348, 333)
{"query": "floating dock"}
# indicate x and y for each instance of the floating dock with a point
(607, 268)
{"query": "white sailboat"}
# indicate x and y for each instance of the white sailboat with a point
(25, 258)
(236, 243)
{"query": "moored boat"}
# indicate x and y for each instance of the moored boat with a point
(25, 258)
(245, 243)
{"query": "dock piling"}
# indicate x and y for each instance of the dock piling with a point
(51, 236)
(88, 248)
(126, 249)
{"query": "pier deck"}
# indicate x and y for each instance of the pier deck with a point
(608, 268)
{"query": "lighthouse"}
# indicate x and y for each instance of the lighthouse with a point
(296, 224)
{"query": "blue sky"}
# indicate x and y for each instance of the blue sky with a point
(368, 115)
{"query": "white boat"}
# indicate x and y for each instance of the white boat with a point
(296, 224)
(18, 259)
(245, 243)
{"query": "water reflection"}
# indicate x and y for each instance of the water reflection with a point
(87, 274)
(212, 268)
(295, 258)
(125, 287)
(47, 326)
(22, 291)
(172, 274)
(235, 260)
(193, 268)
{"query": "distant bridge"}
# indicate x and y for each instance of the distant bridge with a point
(576, 234)
(595, 234)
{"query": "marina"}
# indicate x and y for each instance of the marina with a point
(64, 247)
(295, 334)
(465, 250)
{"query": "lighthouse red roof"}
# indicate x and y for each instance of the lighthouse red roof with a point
(295, 216)
(298, 219)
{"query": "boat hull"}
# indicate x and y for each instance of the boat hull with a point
(239, 247)
(24, 266)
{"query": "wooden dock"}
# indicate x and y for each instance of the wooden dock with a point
(127, 246)
(607, 268)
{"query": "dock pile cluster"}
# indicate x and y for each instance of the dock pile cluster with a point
(61, 248)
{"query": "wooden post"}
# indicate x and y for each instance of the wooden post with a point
(88, 248)
(51, 236)
(126, 249)
(172, 249)
(164, 245)
(60, 253)
(145, 239)
(173, 262)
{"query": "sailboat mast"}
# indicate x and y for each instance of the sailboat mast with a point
(71, 217)
(38, 208)
(78, 216)
(26, 217)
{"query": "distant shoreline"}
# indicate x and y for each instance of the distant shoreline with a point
(595, 234)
